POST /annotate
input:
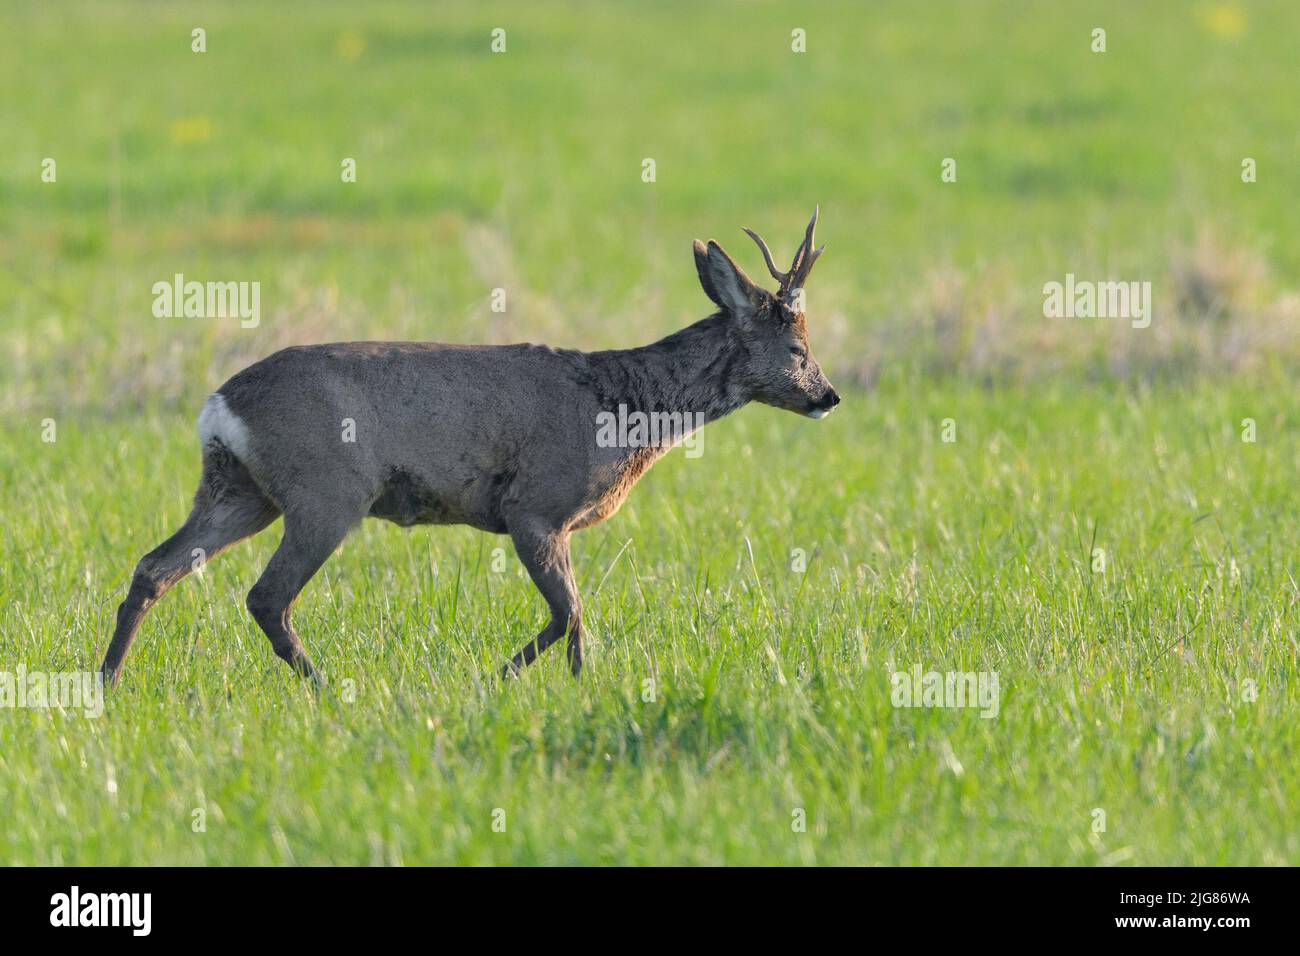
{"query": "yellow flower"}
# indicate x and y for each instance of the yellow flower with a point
(1225, 20)
(350, 45)
(191, 129)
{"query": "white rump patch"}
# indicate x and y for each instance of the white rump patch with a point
(219, 422)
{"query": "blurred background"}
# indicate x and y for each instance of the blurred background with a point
(523, 170)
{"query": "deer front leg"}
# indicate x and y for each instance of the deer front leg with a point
(545, 553)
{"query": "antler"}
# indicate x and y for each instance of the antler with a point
(778, 275)
(807, 255)
(804, 257)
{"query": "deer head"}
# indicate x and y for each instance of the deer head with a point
(779, 368)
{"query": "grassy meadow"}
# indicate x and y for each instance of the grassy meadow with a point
(1103, 516)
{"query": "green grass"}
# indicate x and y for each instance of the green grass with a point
(1122, 690)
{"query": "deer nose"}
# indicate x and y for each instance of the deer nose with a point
(832, 399)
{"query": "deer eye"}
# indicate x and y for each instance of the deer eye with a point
(799, 353)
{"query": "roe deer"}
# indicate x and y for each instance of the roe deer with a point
(502, 438)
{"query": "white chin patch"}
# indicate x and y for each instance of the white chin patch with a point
(819, 413)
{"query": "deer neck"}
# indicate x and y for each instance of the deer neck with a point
(693, 372)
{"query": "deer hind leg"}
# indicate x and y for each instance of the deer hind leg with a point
(545, 553)
(309, 540)
(227, 508)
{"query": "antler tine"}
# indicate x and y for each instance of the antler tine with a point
(807, 255)
(781, 277)
(804, 256)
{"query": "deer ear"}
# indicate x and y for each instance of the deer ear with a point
(724, 282)
(702, 267)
